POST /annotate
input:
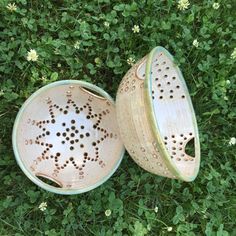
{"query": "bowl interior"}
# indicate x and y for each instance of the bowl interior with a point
(173, 113)
(68, 134)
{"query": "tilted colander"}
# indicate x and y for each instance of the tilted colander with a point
(67, 132)
(156, 117)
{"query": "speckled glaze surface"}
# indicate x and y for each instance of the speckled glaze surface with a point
(156, 117)
(67, 132)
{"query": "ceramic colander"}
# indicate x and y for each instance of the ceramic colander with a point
(66, 134)
(156, 118)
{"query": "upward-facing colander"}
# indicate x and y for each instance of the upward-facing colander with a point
(156, 118)
(67, 132)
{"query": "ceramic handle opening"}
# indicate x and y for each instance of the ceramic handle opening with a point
(92, 93)
(140, 72)
(49, 180)
(190, 148)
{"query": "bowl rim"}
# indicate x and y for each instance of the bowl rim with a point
(154, 124)
(32, 177)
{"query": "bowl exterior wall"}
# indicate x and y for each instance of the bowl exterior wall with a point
(135, 129)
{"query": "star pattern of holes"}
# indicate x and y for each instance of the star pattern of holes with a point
(72, 134)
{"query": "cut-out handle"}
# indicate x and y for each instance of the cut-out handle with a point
(92, 93)
(140, 72)
(49, 180)
(190, 148)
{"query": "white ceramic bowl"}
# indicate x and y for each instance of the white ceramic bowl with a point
(67, 133)
(156, 117)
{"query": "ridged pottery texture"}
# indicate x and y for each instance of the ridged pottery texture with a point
(156, 117)
(67, 132)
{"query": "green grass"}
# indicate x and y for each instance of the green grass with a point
(206, 206)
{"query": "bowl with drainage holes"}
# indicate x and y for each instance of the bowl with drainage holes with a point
(156, 118)
(66, 138)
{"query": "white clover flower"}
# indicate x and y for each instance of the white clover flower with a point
(216, 5)
(228, 82)
(77, 45)
(43, 78)
(131, 61)
(106, 24)
(108, 212)
(136, 29)
(183, 4)
(1, 92)
(43, 206)
(98, 61)
(233, 54)
(169, 229)
(156, 209)
(32, 55)
(56, 51)
(12, 7)
(195, 43)
(232, 141)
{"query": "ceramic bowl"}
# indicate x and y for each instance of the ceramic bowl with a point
(156, 118)
(66, 138)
